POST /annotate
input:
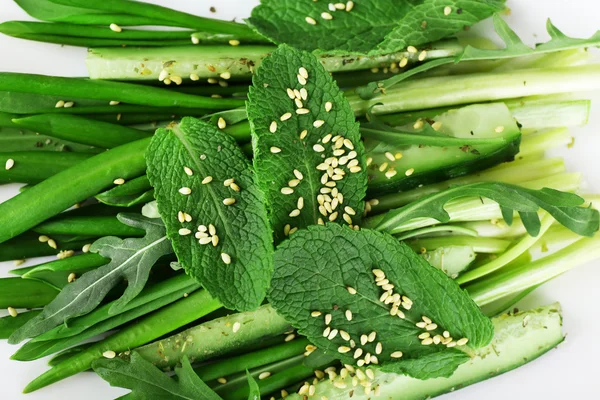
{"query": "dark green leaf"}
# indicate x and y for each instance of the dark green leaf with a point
(237, 267)
(130, 259)
(317, 270)
(299, 171)
(149, 383)
(564, 207)
(435, 365)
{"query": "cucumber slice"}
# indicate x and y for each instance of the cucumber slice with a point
(484, 135)
(519, 338)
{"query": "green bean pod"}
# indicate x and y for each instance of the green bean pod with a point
(9, 324)
(28, 246)
(25, 293)
(33, 167)
(88, 226)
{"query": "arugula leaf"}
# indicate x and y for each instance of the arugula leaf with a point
(366, 26)
(130, 259)
(564, 207)
(514, 47)
(254, 392)
(331, 283)
(213, 210)
(148, 382)
(308, 155)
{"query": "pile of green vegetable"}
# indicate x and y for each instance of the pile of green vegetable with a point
(290, 208)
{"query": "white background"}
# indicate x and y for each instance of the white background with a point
(570, 371)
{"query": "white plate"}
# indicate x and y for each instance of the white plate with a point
(570, 371)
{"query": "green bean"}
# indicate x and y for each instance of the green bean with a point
(68, 353)
(56, 273)
(81, 130)
(157, 12)
(135, 119)
(135, 191)
(18, 140)
(240, 89)
(28, 246)
(31, 103)
(88, 226)
(232, 365)
(153, 326)
(25, 293)
(34, 167)
(92, 42)
(101, 320)
(109, 91)
(69, 187)
(46, 10)
(9, 324)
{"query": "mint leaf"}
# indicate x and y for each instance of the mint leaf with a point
(148, 382)
(435, 365)
(366, 26)
(213, 210)
(130, 260)
(564, 207)
(514, 47)
(331, 283)
(311, 164)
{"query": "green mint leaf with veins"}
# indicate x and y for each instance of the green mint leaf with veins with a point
(308, 155)
(366, 26)
(514, 47)
(564, 207)
(369, 300)
(214, 211)
(148, 382)
(130, 259)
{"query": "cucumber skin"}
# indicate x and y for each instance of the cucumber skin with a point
(543, 326)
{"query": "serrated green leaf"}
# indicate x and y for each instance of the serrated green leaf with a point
(564, 207)
(371, 26)
(130, 260)
(237, 267)
(148, 382)
(514, 47)
(435, 365)
(319, 268)
(311, 176)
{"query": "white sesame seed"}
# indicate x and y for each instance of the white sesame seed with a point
(221, 123)
(234, 42)
(310, 20)
(13, 313)
(418, 124)
(273, 127)
(119, 181)
(188, 171)
(52, 244)
(202, 228)
(205, 240)
(286, 116)
(300, 203)
(422, 55)
(215, 240)
(447, 10)
(206, 180)
(301, 79)
(298, 174)
(411, 49)
(195, 40)
(303, 94)
(326, 331)
(275, 150)
(427, 341)
(396, 354)
(222, 380)
(344, 349)
(184, 231)
(225, 75)
(115, 28)
(328, 318)
(424, 335)
(185, 191)
(60, 104)
(290, 93)
(326, 138)
(9, 164)
(303, 72)
(69, 104)
(390, 173)
(315, 314)
(109, 354)
(349, 315)
(299, 103)
(318, 123)
(287, 190)
(345, 335)
(358, 352)
(264, 375)
(436, 125)
(236, 326)
(226, 258)
(437, 339)
(86, 248)
(328, 106)
(302, 111)
(212, 81)
(499, 129)
(351, 290)
(177, 79)
(229, 201)
(409, 171)
(194, 77)
(167, 81)
(403, 63)
(421, 325)
(389, 156)
(462, 342)
(114, 103)
(349, 6)
(294, 213)
(318, 148)
(327, 16)
(332, 334)
(211, 229)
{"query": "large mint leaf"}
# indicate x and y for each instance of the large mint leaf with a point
(130, 260)
(337, 286)
(214, 211)
(148, 382)
(366, 26)
(307, 149)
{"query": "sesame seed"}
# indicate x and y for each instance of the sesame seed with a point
(9, 164)
(372, 336)
(326, 16)
(109, 354)
(462, 342)
(290, 93)
(345, 335)
(294, 183)
(349, 315)
(236, 326)
(303, 72)
(301, 79)
(86, 248)
(333, 216)
(115, 28)
(304, 389)
(396, 354)
(13, 313)
(358, 352)
(427, 341)
(264, 375)
(206, 180)
(273, 127)
(205, 240)
(403, 63)
(364, 339)
(71, 278)
(188, 171)
(185, 191)
(225, 75)
(114, 103)
(411, 49)
(328, 106)
(298, 174)
(499, 129)
(349, 6)
(300, 203)
(418, 124)
(409, 171)
(318, 148)
(318, 123)
(437, 339)
(302, 111)
(215, 240)
(351, 290)
(298, 103)
(378, 348)
(222, 380)
(52, 244)
(167, 81)
(184, 231)
(447, 10)
(326, 331)
(229, 201)
(286, 116)
(344, 349)
(332, 334)
(119, 181)
(234, 42)
(436, 126)
(424, 335)
(347, 218)
(221, 123)
(177, 79)
(275, 150)
(303, 94)
(294, 213)
(59, 104)
(310, 20)
(422, 55)
(226, 258)
(293, 230)
(287, 190)
(315, 314)
(421, 325)
(328, 319)
(390, 156)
